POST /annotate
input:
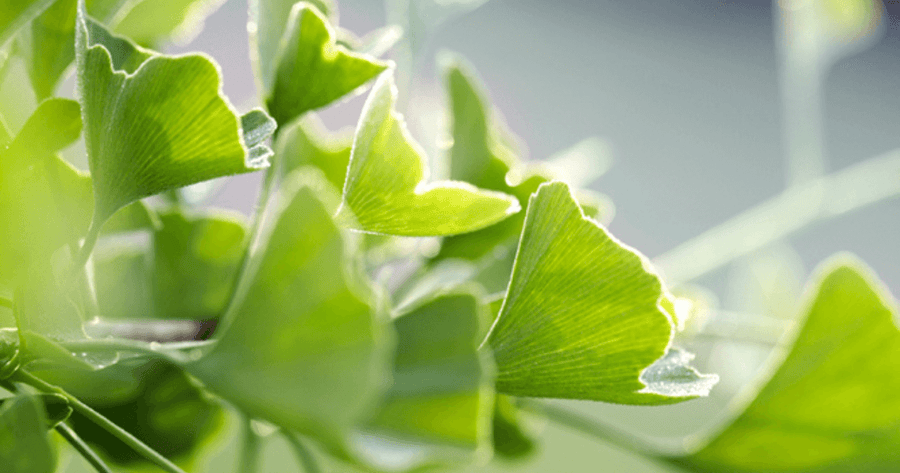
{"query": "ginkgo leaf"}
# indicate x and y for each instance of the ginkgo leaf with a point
(303, 345)
(55, 406)
(150, 22)
(307, 143)
(310, 69)
(153, 122)
(443, 388)
(832, 405)
(54, 125)
(582, 316)
(17, 13)
(49, 43)
(24, 442)
(385, 188)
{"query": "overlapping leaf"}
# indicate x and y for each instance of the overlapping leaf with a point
(442, 392)
(149, 22)
(832, 405)
(301, 66)
(307, 143)
(303, 346)
(581, 318)
(17, 13)
(24, 443)
(154, 122)
(385, 188)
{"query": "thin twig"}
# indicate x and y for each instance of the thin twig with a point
(83, 448)
(143, 449)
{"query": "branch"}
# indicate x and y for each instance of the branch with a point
(852, 188)
(83, 448)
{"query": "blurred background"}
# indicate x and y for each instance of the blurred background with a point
(687, 96)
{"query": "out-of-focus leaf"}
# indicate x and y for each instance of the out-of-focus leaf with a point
(24, 443)
(195, 265)
(166, 410)
(581, 318)
(307, 142)
(122, 282)
(56, 407)
(268, 22)
(832, 405)
(49, 44)
(374, 44)
(768, 282)
(16, 14)
(303, 345)
(385, 187)
(512, 440)
(442, 392)
(43, 205)
(581, 164)
(163, 126)
(151, 22)
(310, 69)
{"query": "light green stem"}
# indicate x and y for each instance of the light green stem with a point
(305, 458)
(90, 240)
(852, 188)
(250, 447)
(153, 456)
(83, 448)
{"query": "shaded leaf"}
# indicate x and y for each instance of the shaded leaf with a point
(303, 345)
(122, 282)
(195, 264)
(832, 405)
(307, 143)
(581, 318)
(442, 391)
(385, 187)
(164, 409)
(56, 407)
(511, 439)
(24, 443)
(148, 130)
(310, 69)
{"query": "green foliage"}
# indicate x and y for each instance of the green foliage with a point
(573, 291)
(385, 188)
(144, 135)
(304, 345)
(831, 406)
(335, 324)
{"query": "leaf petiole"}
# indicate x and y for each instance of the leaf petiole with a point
(304, 456)
(168, 351)
(153, 456)
(250, 447)
(83, 448)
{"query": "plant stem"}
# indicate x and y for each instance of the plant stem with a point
(23, 376)
(824, 198)
(90, 240)
(250, 447)
(83, 448)
(304, 457)
(168, 351)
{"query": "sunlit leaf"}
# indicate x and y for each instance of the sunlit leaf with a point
(581, 318)
(442, 391)
(303, 345)
(16, 14)
(832, 405)
(310, 70)
(24, 443)
(385, 187)
(163, 126)
(151, 22)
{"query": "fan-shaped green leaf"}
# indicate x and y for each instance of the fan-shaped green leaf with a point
(310, 70)
(442, 392)
(385, 187)
(581, 318)
(17, 13)
(832, 405)
(24, 443)
(303, 346)
(150, 22)
(306, 142)
(153, 122)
